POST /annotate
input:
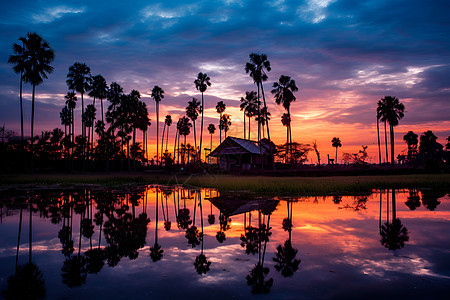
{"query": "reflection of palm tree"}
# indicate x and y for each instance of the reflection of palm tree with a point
(193, 236)
(393, 234)
(156, 253)
(74, 271)
(430, 199)
(413, 200)
(256, 279)
(27, 283)
(201, 263)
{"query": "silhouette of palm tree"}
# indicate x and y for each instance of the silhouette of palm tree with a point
(192, 111)
(157, 95)
(99, 90)
(390, 110)
(26, 283)
(185, 130)
(167, 122)
(412, 140)
(248, 105)
(286, 121)
(225, 123)
(220, 108)
(257, 70)
(19, 60)
(201, 84)
(37, 66)
(211, 130)
(156, 253)
(336, 142)
(79, 80)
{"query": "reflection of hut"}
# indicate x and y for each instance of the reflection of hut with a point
(240, 153)
(231, 205)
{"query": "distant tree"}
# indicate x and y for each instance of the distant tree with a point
(167, 122)
(79, 80)
(336, 142)
(249, 106)
(220, 108)
(193, 109)
(99, 90)
(157, 95)
(201, 84)
(211, 130)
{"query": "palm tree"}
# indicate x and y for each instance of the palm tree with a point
(378, 135)
(248, 105)
(79, 80)
(412, 140)
(71, 102)
(390, 110)
(257, 68)
(284, 91)
(211, 130)
(185, 129)
(336, 142)
(89, 118)
(19, 59)
(192, 111)
(220, 108)
(201, 84)
(225, 123)
(286, 121)
(37, 66)
(157, 95)
(99, 90)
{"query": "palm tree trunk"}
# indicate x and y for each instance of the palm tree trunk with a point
(167, 137)
(195, 137)
(249, 131)
(336, 156)
(244, 125)
(220, 130)
(21, 110)
(157, 133)
(386, 142)
(287, 144)
(32, 124)
(175, 145)
(392, 144)
(259, 115)
(30, 233)
(101, 102)
(18, 237)
(266, 116)
(134, 149)
(379, 145)
(201, 132)
(83, 129)
(162, 142)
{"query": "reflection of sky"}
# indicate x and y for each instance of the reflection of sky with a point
(339, 248)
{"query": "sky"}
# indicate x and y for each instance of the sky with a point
(344, 55)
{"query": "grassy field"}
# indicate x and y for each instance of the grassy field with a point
(343, 185)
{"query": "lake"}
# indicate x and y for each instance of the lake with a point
(141, 242)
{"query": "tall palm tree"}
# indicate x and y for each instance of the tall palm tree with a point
(157, 95)
(336, 142)
(192, 111)
(225, 123)
(99, 90)
(201, 84)
(39, 55)
(220, 108)
(284, 91)
(19, 59)
(391, 110)
(257, 70)
(79, 80)
(71, 102)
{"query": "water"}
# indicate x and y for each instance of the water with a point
(93, 243)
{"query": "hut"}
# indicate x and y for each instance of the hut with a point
(245, 154)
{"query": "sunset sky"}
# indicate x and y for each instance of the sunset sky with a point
(344, 55)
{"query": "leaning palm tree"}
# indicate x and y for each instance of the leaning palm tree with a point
(99, 90)
(192, 111)
(79, 80)
(37, 66)
(257, 70)
(336, 142)
(201, 84)
(19, 59)
(157, 95)
(284, 91)
(391, 111)
(220, 108)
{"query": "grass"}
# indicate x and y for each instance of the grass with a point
(342, 185)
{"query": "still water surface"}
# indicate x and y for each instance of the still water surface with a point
(172, 243)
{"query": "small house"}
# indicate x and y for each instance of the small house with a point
(245, 154)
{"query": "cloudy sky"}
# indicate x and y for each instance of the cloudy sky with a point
(344, 55)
